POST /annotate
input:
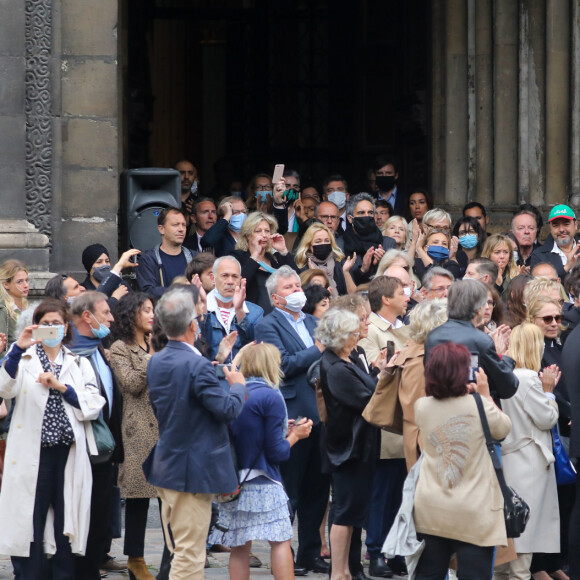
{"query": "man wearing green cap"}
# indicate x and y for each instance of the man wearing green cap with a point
(560, 250)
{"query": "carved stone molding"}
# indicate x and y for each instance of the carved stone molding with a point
(38, 106)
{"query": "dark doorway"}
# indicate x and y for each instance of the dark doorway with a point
(320, 85)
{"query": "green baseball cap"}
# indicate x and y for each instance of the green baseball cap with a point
(561, 211)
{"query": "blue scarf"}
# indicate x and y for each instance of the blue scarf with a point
(83, 345)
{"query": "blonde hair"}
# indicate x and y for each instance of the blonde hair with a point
(252, 222)
(435, 232)
(526, 344)
(301, 257)
(307, 275)
(262, 360)
(8, 270)
(425, 317)
(393, 220)
(492, 243)
(390, 257)
(540, 287)
(536, 304)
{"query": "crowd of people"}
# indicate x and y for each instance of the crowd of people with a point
(232, 365)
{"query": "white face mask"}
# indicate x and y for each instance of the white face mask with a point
(338, 198)
(295, 301)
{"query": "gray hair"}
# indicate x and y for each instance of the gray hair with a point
(175, 311)
(355, 199)
(220, 260)
(335, 328)
(390, 257)
(425, 317)
(274, 279)
(435, 271)
(292, 173)
(436, 215)
(465, 298)
(87, 301)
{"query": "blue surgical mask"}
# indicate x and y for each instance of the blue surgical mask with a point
(101, 332)
(237, 221)
(52, 342)
(438, 253)
(468, 241)
(263, 195)
(220, 297)
(338, 198)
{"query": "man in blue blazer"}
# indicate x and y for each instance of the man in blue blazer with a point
(291, 331)
(192, 459)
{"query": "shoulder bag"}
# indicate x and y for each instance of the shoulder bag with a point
(515, 510)
(565, 472)
(384, 408)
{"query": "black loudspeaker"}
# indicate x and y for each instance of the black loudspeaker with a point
(144, 194)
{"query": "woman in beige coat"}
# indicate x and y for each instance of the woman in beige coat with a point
(130, 354)
(458, 500)
(528, 461)
(423, 319)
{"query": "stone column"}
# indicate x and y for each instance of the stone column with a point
(484, 101)
(438, 102)
(557, 99)
(506, 101)
(575, 107)
(456, 150)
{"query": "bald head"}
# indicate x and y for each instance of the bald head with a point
(328, 214)
(400, 273)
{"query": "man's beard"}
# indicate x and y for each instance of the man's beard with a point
(561, 242)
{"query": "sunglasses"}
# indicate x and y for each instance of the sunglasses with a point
(550, 319)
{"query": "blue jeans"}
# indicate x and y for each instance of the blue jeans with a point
(386, 499)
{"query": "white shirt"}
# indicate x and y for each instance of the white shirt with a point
(556, 250)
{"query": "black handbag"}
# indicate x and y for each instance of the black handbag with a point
(515, 510)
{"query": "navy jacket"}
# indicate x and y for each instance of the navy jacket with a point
(213, 330)
(193, 453)
(218, 239)
(503, 384)
(259, 431)
(296, 360)
(150, 270)
(544, 253)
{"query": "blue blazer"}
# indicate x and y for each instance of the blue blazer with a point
(296, 360)
(193, 453)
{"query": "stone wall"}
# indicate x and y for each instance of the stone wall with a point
(506, 103)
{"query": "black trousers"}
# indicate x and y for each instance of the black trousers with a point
(99, 540)
(308, 489)
(574, 536)
(136, 510)
(473, 562)
(49, 492)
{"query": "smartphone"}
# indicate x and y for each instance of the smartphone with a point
(278, 174)
(45, 332)
(219, 370)
(473, 368)
(390, 349)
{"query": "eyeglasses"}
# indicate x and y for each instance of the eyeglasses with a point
(442, 229)
(550, 319)
(466, 233)
(264, 187)
(440, 289)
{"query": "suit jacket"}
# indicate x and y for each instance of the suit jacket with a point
(193, 452)
(571, 368)
(296, 360)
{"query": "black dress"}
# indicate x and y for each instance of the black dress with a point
(256, 277)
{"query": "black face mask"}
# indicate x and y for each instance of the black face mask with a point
(364, 225)
(322, 251)
(385, 182)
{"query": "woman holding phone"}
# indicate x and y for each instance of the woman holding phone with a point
(46, 488)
